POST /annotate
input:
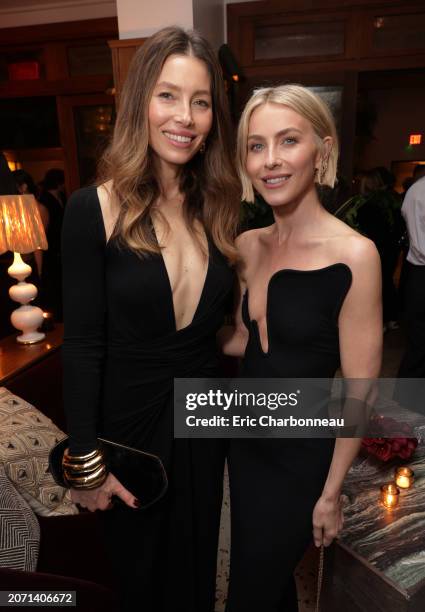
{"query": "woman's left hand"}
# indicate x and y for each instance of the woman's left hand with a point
(328, 520)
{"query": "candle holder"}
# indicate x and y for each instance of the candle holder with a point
(390, 494)
(404, 477)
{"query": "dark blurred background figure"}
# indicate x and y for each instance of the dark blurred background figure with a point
(413, 210)
(407, 183)
(418, 172)
(53, 198)
(7, 183)
(380, 219)
(25, 185)
(413, 363)
(376, 212)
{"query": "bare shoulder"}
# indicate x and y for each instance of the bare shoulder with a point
(360, 253)
(353, 248)
(361, 256)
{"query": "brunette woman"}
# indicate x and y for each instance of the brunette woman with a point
(146, 277)
(309, 302)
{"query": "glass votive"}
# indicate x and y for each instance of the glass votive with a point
(404, 477)
(389, 495)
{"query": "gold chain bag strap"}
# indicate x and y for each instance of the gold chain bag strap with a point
(320, 577)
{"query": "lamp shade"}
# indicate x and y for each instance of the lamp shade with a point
(21, 228)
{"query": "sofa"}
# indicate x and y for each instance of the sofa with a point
(68, 549)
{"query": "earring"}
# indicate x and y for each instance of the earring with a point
(323, 170)
(202, 148)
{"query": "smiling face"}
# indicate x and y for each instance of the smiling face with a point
(180, 110)
(283, 154)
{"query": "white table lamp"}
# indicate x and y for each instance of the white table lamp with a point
(21, 231)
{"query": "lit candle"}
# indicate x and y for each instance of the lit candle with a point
(389, 495)
(404, 477)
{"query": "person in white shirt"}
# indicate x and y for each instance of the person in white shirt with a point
(413, 211)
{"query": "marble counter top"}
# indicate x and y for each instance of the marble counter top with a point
(391, 542)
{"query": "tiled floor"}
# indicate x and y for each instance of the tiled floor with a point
(306, 572)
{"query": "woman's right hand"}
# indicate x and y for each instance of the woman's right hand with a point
(101, 497)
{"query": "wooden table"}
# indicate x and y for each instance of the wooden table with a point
(34, 372)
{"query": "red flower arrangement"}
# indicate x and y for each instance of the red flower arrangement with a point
(404, 445)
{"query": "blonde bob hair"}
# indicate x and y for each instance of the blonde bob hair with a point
(307, 104)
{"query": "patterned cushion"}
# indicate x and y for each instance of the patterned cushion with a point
(19, 529)
(26, 437)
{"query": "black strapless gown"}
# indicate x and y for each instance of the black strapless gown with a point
(275, 483)
(121, 354)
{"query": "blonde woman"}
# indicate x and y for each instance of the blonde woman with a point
(310, 301)
(146, 278)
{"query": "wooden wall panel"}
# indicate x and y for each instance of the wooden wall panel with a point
(106, 27)
(359, 55)
(122, 54)
(49, 44)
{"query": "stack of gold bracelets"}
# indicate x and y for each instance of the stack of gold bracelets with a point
(84, 471)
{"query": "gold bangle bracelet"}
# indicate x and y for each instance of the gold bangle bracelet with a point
(80, 458)
(89, 465)
(90, 481)
(88, 486)
(82, 473)
(86, 477)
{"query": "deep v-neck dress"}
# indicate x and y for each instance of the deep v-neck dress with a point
(121, 354)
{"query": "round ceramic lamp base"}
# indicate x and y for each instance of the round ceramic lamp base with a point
(30, 338)
(28, 319)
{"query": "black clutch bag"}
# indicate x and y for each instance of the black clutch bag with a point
(141, 473)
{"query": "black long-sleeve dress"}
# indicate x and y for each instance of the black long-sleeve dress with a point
(121, 353)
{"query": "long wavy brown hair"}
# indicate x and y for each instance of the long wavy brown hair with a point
(208, 181)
